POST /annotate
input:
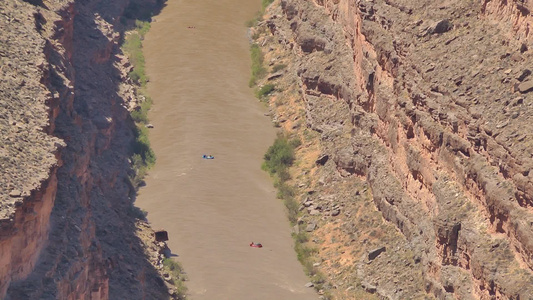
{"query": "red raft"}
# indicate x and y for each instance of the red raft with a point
(256, 245)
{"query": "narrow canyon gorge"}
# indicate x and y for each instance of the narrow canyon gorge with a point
(412, 172)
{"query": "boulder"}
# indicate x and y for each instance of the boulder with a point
(524, 75)
(375, 253)
(314, 212)
(275, 75)
(15, 193)
(296, 229)
(526, 86)
(322, 159)
(310, 227)
(438, 27)
(161, 236)
(441, 26)
(369, 287)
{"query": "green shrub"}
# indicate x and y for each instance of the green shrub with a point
(264, 90)
(295, 142)
(258, 71)
(142, 27)
(278, 156)
(304, 254)
(142, 146)
(285, 191)
(292, 209)
(266, 3)
(283, 175)
(132, 47)
(176, 271)
(140, 115)
(278, 67)
(301, 237)
(143, 156)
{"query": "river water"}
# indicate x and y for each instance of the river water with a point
(197, 57)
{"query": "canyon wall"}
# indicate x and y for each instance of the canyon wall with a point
(416, 113)
(68, 227)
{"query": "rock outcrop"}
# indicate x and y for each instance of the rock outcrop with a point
(68, 227)
(416, 115)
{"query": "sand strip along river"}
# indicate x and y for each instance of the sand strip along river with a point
(198, 61)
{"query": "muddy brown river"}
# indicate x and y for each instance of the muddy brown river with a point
(197, 57)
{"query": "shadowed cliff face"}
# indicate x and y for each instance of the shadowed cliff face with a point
(421, 111)
(71, 235)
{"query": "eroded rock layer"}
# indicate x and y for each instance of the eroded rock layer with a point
(421, 184)
(68, 230)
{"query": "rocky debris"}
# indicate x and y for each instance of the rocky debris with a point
(310, 227)
(441, 26)
(274, 75)
(524, 75)
(322, 159)
(66, 133)
(314, 212)
(429, 115)
(526, 86)
(15, 193)
(373, 254)
(369, 287)
(161, 236)
(156, 249)
(28, 150)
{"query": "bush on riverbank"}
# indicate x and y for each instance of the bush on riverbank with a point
(258, 71)
(140, 115)
(279, 156)
(133, 48)
(177, 277)
(277, 161)
(143, 156)
(266, 3)
(264, 90)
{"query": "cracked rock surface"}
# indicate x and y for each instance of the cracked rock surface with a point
(415, 121)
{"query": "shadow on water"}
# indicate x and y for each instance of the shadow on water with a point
(92, 226)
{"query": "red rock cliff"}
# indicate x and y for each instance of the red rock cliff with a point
(426, 103)
(68, 228)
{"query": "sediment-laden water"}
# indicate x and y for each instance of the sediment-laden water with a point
(198, 63)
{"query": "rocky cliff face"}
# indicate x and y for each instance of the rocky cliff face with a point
(68, 231)
(416, 113)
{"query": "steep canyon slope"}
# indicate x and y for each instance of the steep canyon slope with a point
(68, 228)
(414, 173)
